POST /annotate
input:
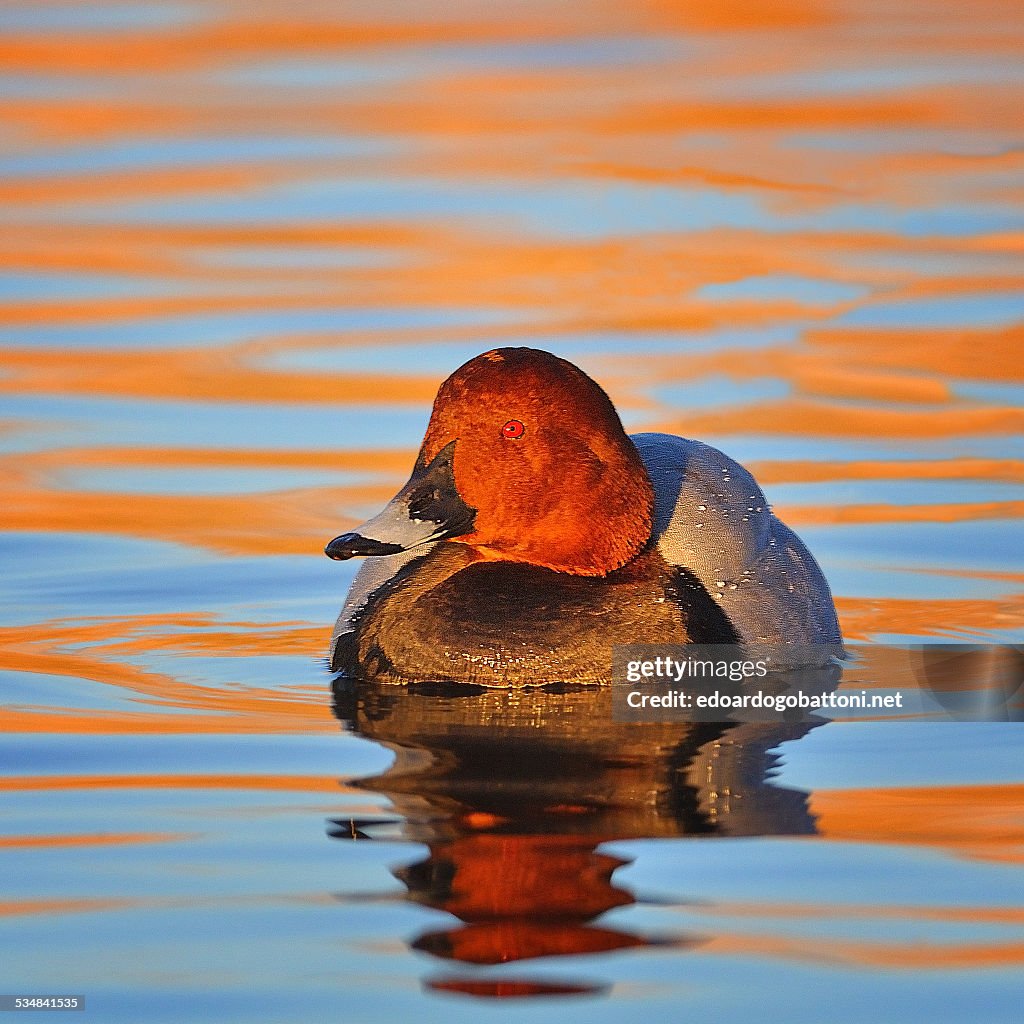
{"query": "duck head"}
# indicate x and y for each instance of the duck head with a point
(525, 460)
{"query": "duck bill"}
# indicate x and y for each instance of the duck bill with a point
(427, 509)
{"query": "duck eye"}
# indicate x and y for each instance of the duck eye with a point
(513, 429)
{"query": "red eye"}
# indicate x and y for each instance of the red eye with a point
(513, 429)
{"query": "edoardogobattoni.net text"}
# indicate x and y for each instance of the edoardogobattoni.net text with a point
(771, 701)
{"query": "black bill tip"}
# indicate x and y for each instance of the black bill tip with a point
(349, 545)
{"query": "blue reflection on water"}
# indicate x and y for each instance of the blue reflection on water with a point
(978, 544)
(204, 480)
(783, 287)
(28, 287)
(204, 425)
(209, 330)
(896, 492)
(894, 754)
(99, 17)
(142, 151)
(979, 310)
(71, 576)
(596, 351)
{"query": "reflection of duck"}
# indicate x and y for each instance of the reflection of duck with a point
(513, 827)
(534, 534)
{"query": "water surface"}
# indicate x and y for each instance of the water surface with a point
(241, 246)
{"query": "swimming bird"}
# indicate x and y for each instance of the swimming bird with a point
(534, 535)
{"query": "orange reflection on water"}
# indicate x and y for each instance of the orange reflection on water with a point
(629, 282)
(808, 418)
(230, 721)
(101, 651)
(13, 908)
(91, 839)
(292, 523)
(985, 822)
(981, 915)
(1011, 470)
(863, 618)
(201, 374)
(901, 956)
(258, 782)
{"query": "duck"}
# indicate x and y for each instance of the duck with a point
(534, 535)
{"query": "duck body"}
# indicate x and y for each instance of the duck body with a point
(534, 535)
(444, 618)
(712, 517)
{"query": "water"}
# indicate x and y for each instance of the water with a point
(241, 247)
